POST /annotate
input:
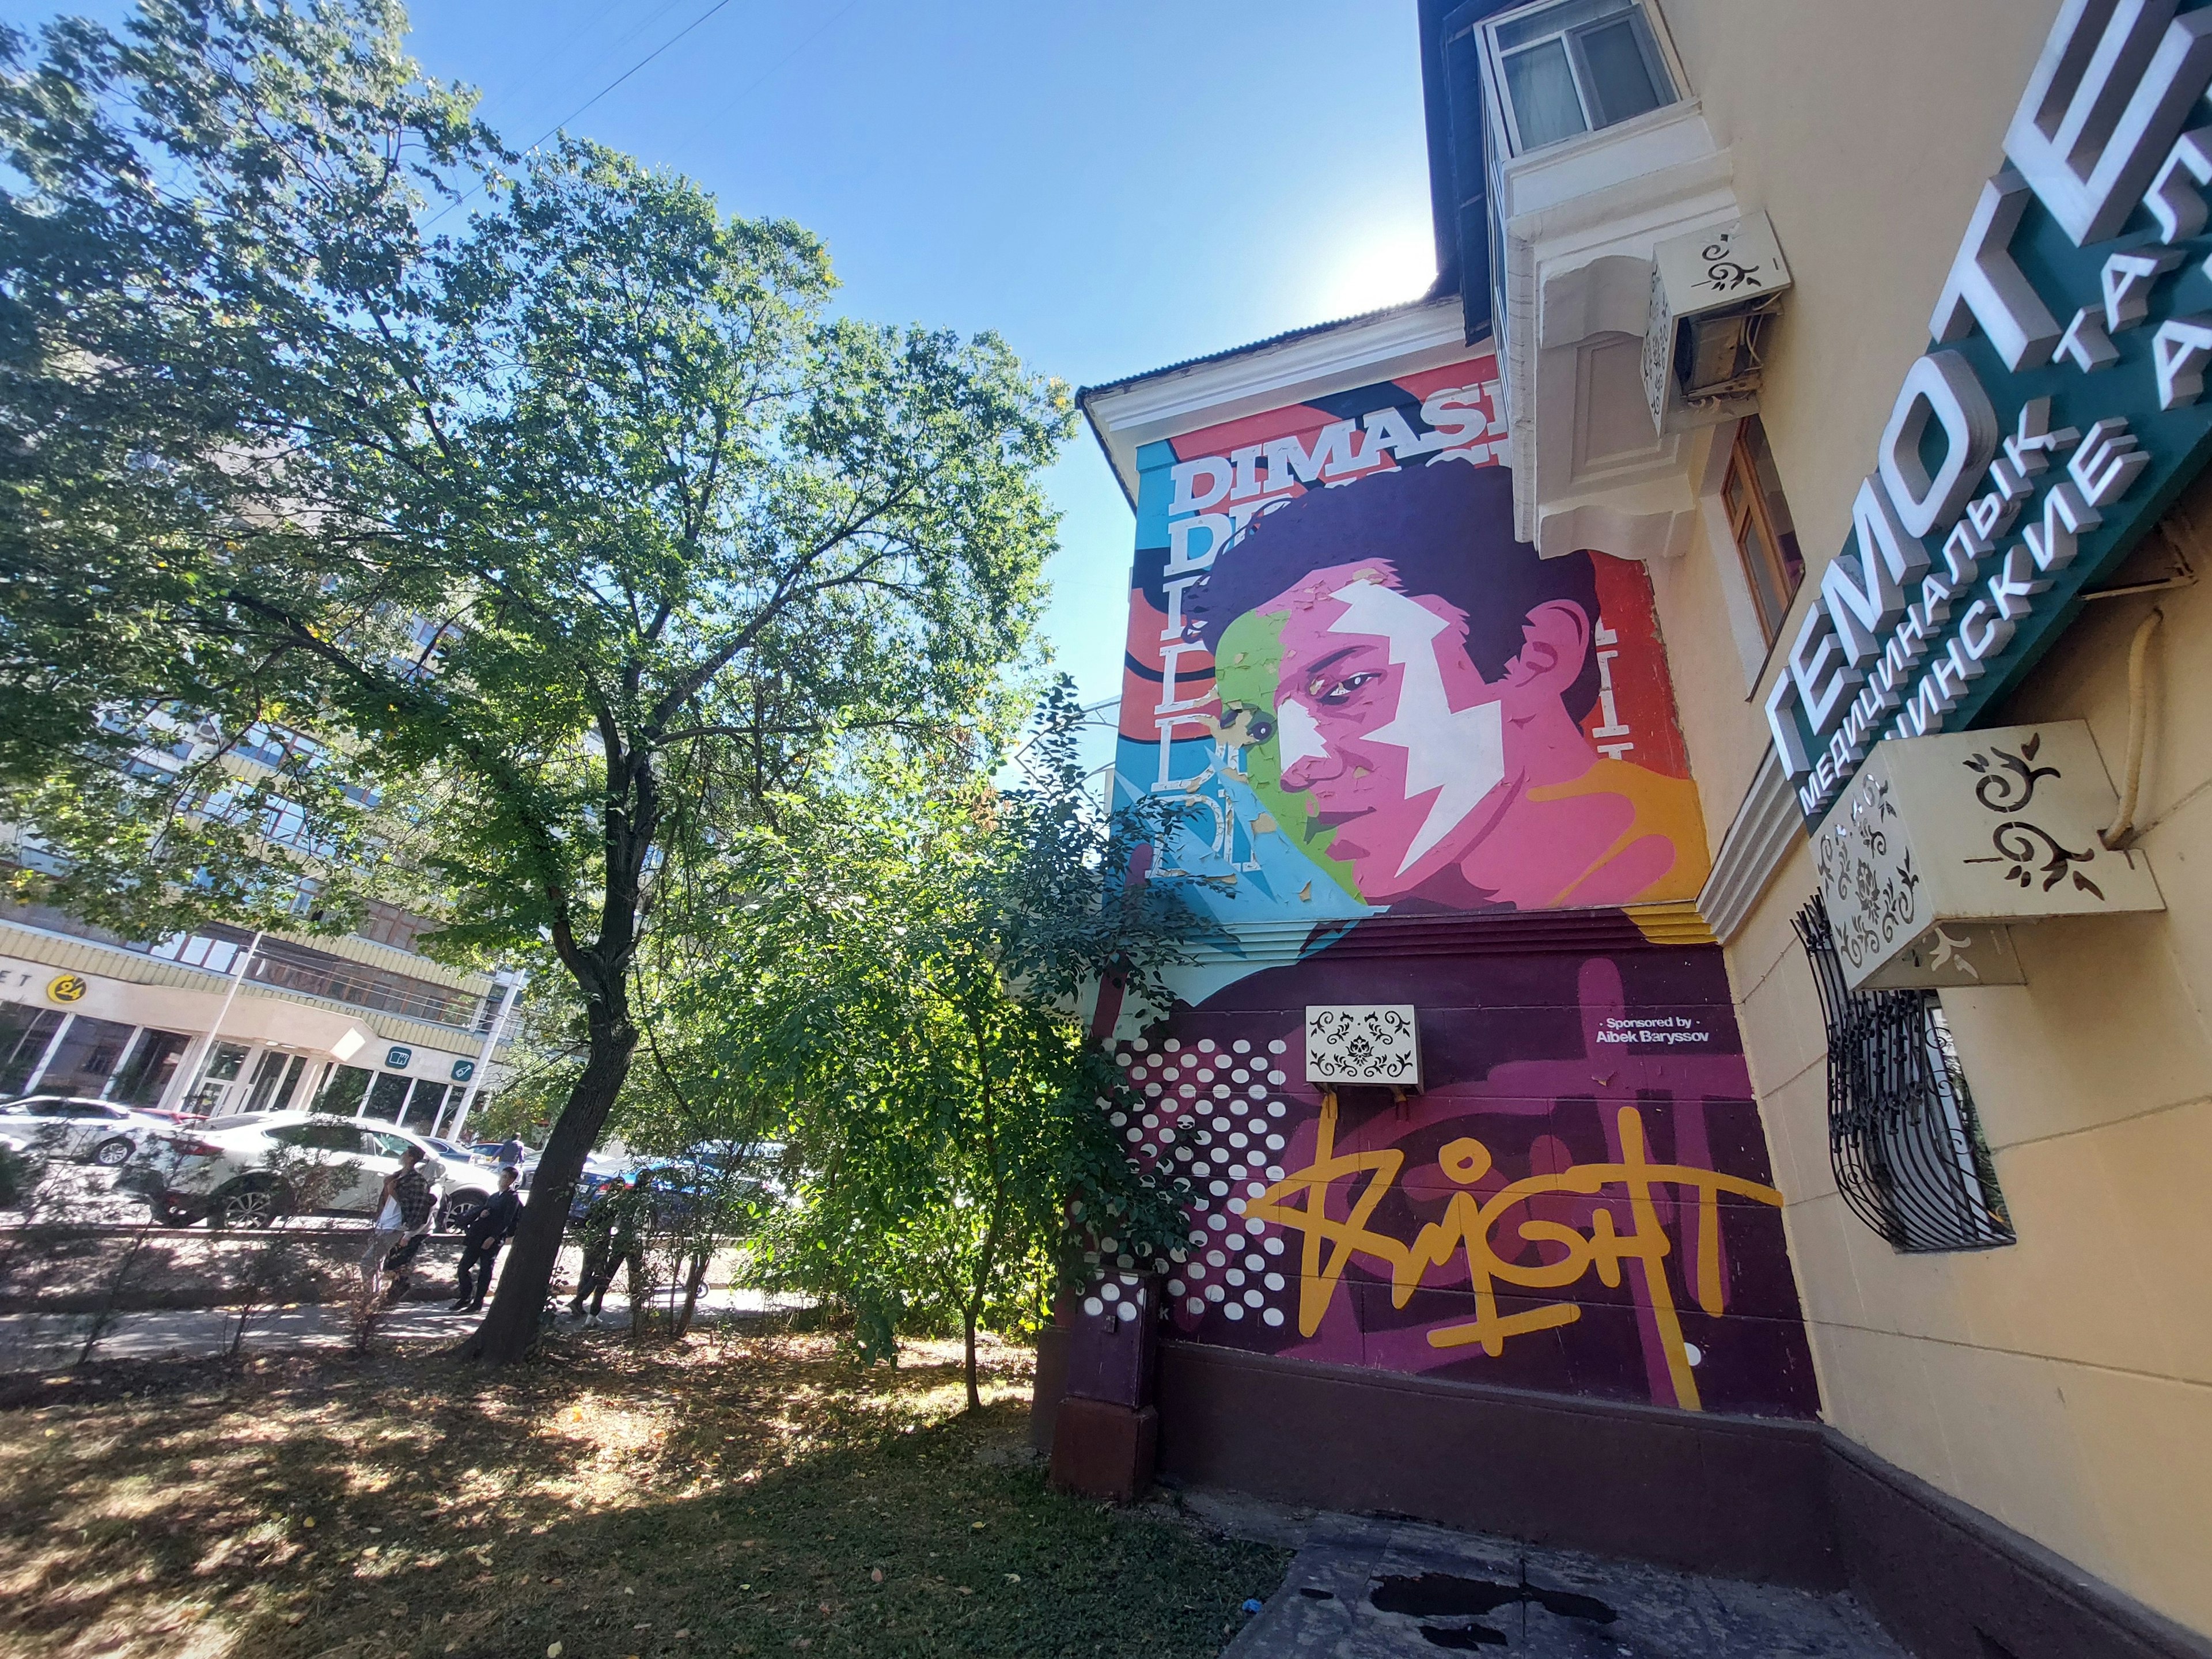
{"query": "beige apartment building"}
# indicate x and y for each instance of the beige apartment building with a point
(1712, 700)
(2061, 1382)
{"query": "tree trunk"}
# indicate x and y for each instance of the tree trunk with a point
(694, 1282)
(510, 1327)
(987, 1260)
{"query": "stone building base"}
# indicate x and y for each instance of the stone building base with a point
(1744, 1498)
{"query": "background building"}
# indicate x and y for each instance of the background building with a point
(1855, 354)
(351, 1024)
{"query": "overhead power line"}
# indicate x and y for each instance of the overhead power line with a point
(718, 5)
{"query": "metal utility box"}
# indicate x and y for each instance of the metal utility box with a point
(1111, 1339)
(1940, 842)
(1713, 293)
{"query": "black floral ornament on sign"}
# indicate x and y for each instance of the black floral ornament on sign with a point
(1362, 1045)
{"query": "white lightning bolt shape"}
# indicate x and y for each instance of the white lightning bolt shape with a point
(1459, 753)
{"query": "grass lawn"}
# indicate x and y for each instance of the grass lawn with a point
(741, 1494)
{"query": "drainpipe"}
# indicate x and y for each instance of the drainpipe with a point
(197, 1071)
(483, 1058)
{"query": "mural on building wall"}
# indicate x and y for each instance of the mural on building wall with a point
(1426, 767)
(1371, 696)
(1578, 1201)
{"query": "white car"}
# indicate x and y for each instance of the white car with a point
(65, 1125)
(287, 1164)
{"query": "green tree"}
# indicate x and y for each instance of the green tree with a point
(910, 978)
(589, 529)
(208, 250)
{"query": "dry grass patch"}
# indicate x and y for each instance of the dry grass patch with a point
(748, 1495)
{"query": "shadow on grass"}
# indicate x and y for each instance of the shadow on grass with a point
(736, 1495)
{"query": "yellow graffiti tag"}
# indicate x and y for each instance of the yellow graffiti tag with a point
(1468, 1224)
(1318, 1279)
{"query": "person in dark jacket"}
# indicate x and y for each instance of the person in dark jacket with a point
(611, 1232)
(487, 1229)
(595, 1233)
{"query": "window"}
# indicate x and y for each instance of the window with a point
(86, 1110)
(86, 1057)
(344, 1092)
(424, 1106)
(1904, 1139)
(324, 1138)
(1765, 536)
(217, 956)
(387, 924)
(24, 1035)
(388, 1095)
(274, 1080)
(146, 1075)
(1576, 66)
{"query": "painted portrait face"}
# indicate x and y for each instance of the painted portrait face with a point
(1383, 723)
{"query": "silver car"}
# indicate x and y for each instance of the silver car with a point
(67, 1126)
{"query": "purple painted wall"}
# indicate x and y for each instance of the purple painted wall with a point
(1580, 1200)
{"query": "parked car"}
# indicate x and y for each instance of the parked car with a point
(289, 1163)
(597, 1171)
(67, 1126)
(487, 1151)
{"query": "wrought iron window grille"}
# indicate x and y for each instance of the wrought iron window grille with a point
(1903, 1137)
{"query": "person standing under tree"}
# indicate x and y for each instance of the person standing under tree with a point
(403, 1207)
(487, 1229)
(595, 1233)
(612, 1240)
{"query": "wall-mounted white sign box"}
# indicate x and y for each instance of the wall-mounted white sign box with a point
(1940, 842)
(1713, 293)
(1364, 1042)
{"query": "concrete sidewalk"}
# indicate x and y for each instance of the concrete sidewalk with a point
(1368, 1589)
(33, 1342)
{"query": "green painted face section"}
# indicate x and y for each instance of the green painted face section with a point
(1246, 673)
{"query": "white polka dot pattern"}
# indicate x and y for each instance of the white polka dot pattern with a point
(1225, 1159)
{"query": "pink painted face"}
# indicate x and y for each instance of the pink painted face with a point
(1385, 723)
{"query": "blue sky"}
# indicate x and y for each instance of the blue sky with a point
(1111, 187)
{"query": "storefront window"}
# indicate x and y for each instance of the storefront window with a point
(1766, 535)
(342, 1095)
(387, 1096)
(424, 1107)
(274, 1080)
(90, 1050)
(24, 1035)
(151, 1066)
(1576, 66)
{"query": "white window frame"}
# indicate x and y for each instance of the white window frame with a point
(1501, 102)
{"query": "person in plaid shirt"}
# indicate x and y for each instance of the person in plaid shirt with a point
(404, 1208)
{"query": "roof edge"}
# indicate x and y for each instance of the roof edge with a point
(1429, 297)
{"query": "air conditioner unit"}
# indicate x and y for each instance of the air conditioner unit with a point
(1941, 844)
(1714, 292)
